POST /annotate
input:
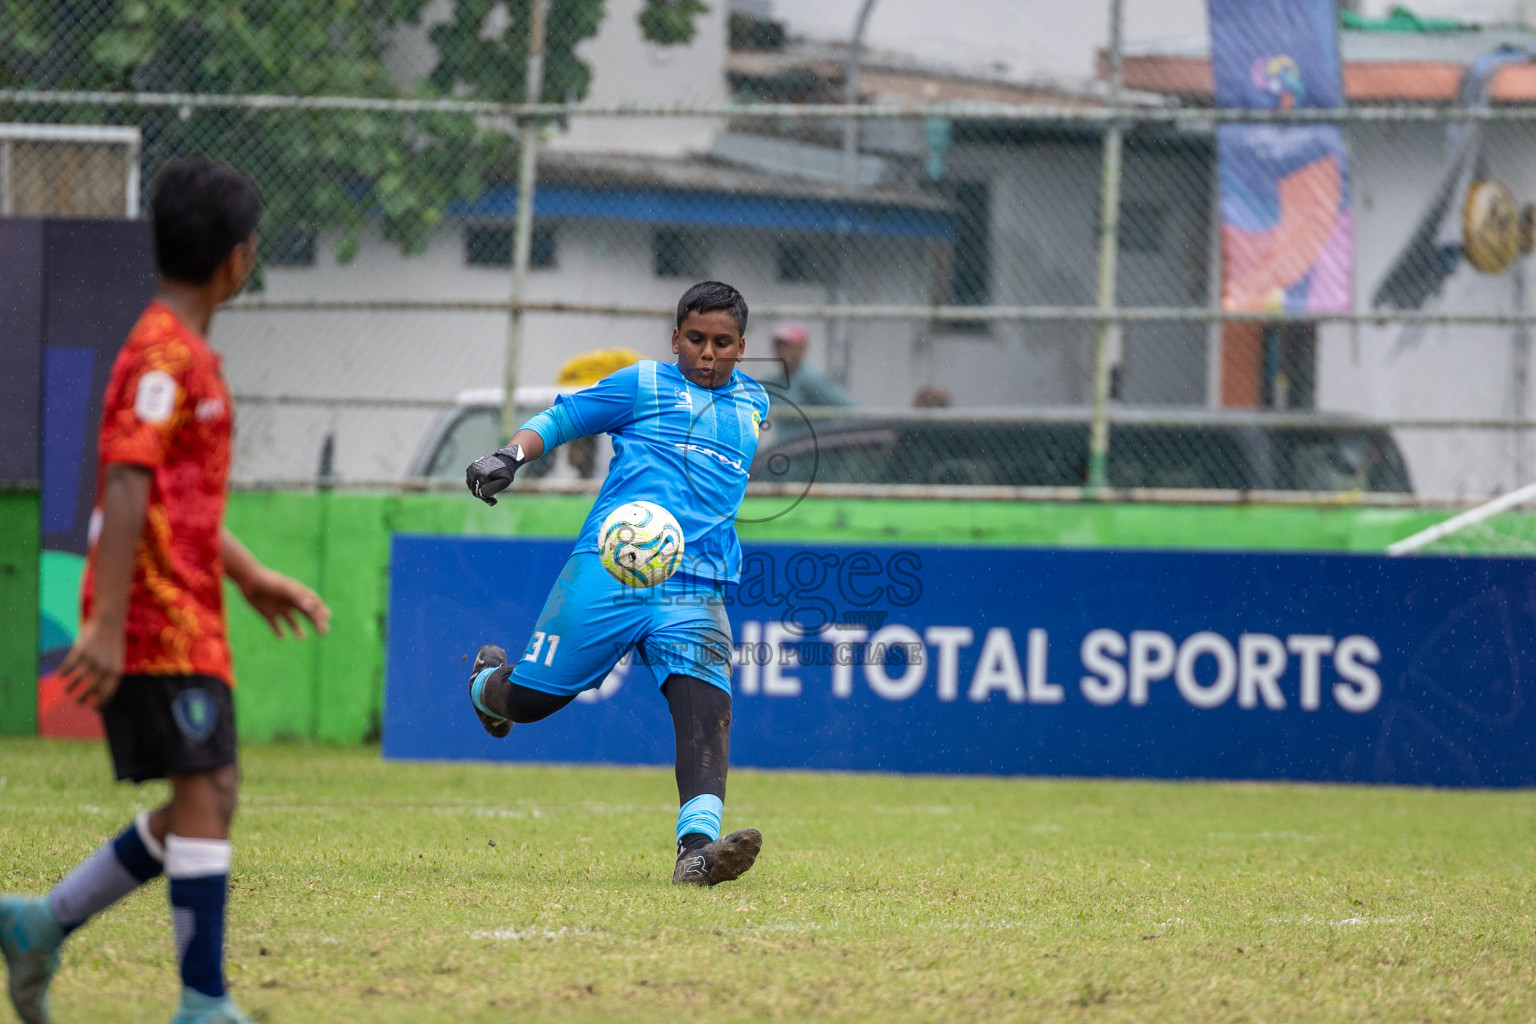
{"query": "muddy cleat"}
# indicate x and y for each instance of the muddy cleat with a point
(197, 1008)
(30, 939)
(720, 861)
(487, 661)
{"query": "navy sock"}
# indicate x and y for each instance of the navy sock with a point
(198, 870)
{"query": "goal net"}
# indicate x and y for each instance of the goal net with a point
(1504, 526)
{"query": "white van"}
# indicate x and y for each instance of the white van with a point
(472, 427)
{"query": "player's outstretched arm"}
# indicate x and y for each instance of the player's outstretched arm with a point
(600, 409)
(94, 665)
(278, 598)
(491, 474)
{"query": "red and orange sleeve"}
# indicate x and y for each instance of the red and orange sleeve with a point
(148, 404)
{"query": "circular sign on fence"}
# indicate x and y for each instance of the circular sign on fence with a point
(1490, 226)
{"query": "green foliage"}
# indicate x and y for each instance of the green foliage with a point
(318, 171)
(495, 66)
(670, 22)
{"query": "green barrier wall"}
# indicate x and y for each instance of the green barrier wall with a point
(339, 543)
(18, 612)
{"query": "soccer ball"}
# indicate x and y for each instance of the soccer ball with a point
(640, 544)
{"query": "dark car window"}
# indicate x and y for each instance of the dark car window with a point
(945, 454)
(1052, 455)
(1338, 459)
(1174, 457)
(1178, 457)
(832, 457)
(474, 433)
(1007, 454)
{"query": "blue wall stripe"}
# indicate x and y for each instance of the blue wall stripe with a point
(772, 213)
(68, 384)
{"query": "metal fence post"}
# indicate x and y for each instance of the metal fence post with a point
(1107, 331)
(1520, 375)
(838, 358)
(522, 236)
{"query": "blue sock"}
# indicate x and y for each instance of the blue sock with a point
(116, 868)
(701, 816)
(198, 870)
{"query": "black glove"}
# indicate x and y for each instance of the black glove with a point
(491, 474)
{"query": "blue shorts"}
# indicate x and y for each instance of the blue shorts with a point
(591, 620)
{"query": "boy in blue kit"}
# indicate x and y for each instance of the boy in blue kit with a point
(683, 437)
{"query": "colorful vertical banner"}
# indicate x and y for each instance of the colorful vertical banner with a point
(1287, 233)
(93, 278)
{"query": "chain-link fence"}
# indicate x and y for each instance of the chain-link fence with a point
(935, 246)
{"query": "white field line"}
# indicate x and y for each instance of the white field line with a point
(1346, 922)
(1272, 835)
(525, 934)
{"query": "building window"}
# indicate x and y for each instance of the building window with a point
(970, 271)
(492, 246)
(1142, 226)
(541, 248)
(487, 246)
(292, 248)
(677, 254)
(801, 262)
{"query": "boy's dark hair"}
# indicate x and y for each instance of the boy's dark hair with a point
(202, 209)
(708, 296)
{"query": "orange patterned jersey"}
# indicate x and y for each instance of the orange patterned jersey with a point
(167, 409)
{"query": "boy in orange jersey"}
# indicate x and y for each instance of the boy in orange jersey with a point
(152, 652)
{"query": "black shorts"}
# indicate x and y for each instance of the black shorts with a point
(169, 725)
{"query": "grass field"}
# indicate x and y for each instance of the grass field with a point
(367, 891)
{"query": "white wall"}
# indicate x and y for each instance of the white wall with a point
(417, 356)
(1022, 40)
(1470, 12)
(1454, 372)
(1044, 250)
(626, 69)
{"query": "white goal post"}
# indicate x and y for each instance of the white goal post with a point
(1464, 521)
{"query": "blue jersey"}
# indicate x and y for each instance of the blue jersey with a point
(684, 447)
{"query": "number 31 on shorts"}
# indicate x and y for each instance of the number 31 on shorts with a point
(538, 644)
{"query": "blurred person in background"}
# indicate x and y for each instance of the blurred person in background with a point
(803, 384)
(583, 371)
(931, 396)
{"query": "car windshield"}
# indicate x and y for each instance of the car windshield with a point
(1339, 459)
(474, 433)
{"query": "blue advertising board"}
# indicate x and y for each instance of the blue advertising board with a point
(1087, 663)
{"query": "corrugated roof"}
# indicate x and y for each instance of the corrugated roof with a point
(705, 174)
(699, 192)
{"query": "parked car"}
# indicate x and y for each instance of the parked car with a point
(1148, 449)
(472, 427)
